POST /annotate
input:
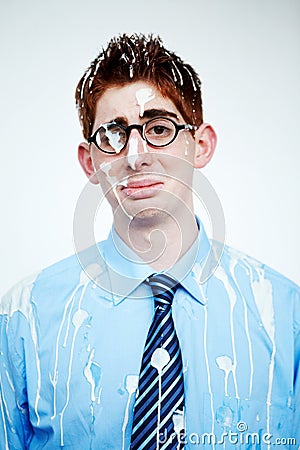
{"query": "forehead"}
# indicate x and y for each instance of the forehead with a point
(130, 101)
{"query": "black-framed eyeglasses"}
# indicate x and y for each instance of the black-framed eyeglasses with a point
(112, 137)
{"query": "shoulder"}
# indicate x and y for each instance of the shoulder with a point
(256, 278)
(236, 261)
(273, 294)
(53, 282)
(18, 297)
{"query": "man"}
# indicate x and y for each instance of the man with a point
(141, 341)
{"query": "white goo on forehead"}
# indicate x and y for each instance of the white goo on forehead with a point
(143, 96)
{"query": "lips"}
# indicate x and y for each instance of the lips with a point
(142, 188)
(142, 183)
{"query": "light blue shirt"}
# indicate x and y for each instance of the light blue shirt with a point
(71, 350)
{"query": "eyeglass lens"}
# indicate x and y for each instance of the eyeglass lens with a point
(112, 137)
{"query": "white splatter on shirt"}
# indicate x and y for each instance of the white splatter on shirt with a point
(71, 349)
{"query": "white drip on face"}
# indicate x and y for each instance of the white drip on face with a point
(123, 182)
(132, 152)
(145, 146)
(106, 167)
(120, 203)
(112, 180)
(186, 147)
(142, 97)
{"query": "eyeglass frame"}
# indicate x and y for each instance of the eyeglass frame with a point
(141, 130)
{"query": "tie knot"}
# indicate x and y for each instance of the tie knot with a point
(163, 288)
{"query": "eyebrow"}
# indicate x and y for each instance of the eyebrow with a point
(148, 114)
(151, 113)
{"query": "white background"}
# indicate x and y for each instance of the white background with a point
(248, 56)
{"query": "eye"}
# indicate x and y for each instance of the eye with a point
(159, 128)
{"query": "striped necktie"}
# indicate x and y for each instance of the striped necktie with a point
(159, 408)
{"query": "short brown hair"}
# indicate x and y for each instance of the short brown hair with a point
(128, 59)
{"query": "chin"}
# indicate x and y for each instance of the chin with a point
(149, 216)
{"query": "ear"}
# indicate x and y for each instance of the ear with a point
(205, 144)
(86, 162)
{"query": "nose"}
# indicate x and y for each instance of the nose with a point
(132, 128)
(138, 154)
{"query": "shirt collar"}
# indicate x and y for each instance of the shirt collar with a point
(126, 270)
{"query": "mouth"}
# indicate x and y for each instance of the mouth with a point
(143, 188)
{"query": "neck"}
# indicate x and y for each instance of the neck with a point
(158, 239)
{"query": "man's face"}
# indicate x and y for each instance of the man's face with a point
(143, 181)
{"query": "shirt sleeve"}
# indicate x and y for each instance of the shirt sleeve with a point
(297, 365)
(15, 428)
